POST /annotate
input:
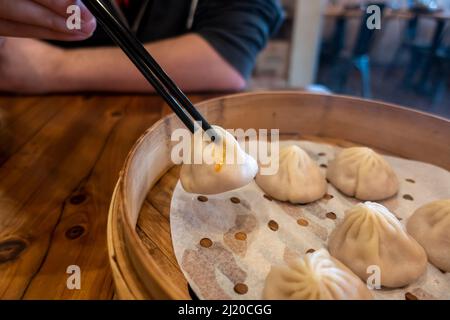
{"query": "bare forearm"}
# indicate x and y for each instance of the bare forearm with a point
(188, 59)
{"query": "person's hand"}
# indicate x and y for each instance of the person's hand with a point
(29, 66)
(43, 19)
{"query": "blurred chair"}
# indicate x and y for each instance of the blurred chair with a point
(441, 72)
(443, 75)
(332, 47)
(408, 39)
(424, 59)
(358, 58)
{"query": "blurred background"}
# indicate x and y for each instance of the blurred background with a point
(325, 45)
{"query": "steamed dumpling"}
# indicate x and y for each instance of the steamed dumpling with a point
(371, 235)
(430, 226)
(298, 179)
(229, 166)
(316, 276)
(362, 173)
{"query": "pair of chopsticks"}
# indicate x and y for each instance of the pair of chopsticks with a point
(147, 65)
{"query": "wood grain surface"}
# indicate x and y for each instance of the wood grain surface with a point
(60, 157)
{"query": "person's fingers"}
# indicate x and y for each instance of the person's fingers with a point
(32, 13)
(60, 7)
(15, 29)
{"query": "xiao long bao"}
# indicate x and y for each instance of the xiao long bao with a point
(370, 235)
(316, 276)
(220, 175)
(430, 226)
(298, 179)
(362, 173)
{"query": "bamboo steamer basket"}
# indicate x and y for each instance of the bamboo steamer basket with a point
(140, 249)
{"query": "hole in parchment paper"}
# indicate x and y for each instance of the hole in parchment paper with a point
(310, 251)
(273, 225)
(242, 236)
(321, 154)
(331, 215)
(235, 200)
(206, 242)
(410, 296)
(241, 288)
(202, 198)
(303, 222)
(408, 197)
(410, 180)
(323, 165)
(328, 196)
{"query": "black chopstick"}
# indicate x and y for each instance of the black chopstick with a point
(148, 66)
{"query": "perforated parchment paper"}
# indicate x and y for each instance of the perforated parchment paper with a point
(227, 243)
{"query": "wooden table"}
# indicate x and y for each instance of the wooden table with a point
(59, 160)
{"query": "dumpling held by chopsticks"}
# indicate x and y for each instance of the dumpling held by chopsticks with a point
(217, 167)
